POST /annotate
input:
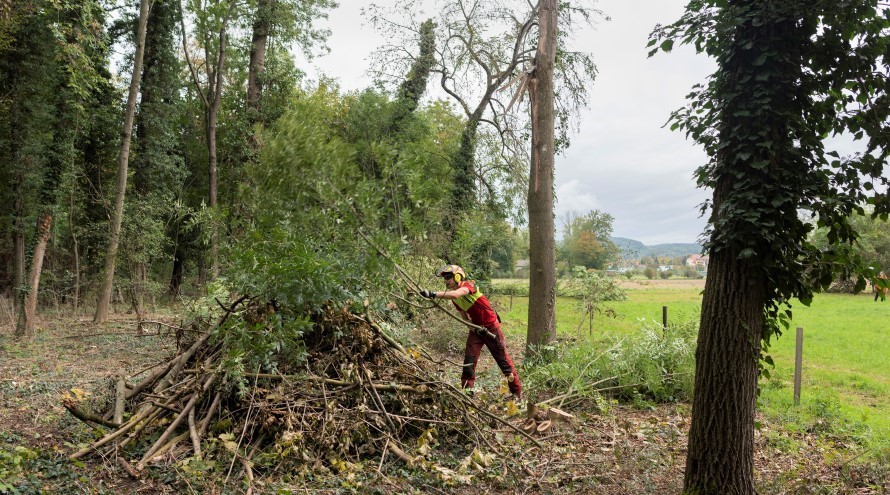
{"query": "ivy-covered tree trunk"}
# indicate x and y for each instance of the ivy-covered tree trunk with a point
(755, 157)
(542, 252)
(158, 172)
(256, 67)
(788, 74)
(104, 300)
(18, 243)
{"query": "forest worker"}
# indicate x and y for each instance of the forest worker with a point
(475, 308)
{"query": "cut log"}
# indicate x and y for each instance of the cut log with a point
(529, 426)
(120, 392)
(559, 415)
(543, 426)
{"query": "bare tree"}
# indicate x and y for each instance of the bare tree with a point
(484, 53)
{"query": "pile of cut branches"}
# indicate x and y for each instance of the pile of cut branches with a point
(357, 394)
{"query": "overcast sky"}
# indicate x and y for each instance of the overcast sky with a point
(622, 161)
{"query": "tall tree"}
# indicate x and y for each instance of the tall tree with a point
(789, 74)
(542, 252)
(158, 169)
(29, 77)
(212, 33)
(49, 75)
(293, 23)
(104, 297)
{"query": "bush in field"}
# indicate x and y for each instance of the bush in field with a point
(650, 272)
(691, 272)
(666, 274)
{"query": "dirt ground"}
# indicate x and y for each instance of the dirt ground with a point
(619, 450)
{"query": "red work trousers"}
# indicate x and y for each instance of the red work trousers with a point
(498, 348)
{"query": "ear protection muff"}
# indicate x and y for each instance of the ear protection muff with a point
(457, 278)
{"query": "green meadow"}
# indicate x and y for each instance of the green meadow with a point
(846, 352)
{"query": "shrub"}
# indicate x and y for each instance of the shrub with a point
(653, 366)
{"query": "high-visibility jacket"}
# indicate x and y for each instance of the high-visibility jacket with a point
(476, 305)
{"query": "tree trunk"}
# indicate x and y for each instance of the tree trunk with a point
(175, 288)
(26, 321)
(542, 258)
(214, 98)
(721, 439)
(137, 288)
(256, 67)
(123, 159)
(19, 247)
(76, 250)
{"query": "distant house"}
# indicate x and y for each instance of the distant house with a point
(698, 261)
(522, 267)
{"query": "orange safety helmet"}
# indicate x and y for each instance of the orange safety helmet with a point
(455, 270)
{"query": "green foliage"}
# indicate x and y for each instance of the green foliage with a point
(587, 240)
(27, 471)
(591, 287)
(872, 245)
(484, 246)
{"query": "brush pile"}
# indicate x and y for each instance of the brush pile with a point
(355, 394)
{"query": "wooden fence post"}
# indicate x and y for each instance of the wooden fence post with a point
(664, 318)
(798, 363)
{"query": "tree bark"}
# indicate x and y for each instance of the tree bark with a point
(123, 159)
(27, 317)
(720, 457)
(257, 64)
(542, 260)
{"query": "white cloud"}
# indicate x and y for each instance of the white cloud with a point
(573, 196)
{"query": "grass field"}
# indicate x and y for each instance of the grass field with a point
(846, 353)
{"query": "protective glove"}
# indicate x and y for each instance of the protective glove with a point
(427, 293)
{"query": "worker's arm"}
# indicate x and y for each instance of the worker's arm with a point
(451, 294)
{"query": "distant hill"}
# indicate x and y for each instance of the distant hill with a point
(633, 249)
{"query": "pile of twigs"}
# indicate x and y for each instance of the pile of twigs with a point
(360, 394)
